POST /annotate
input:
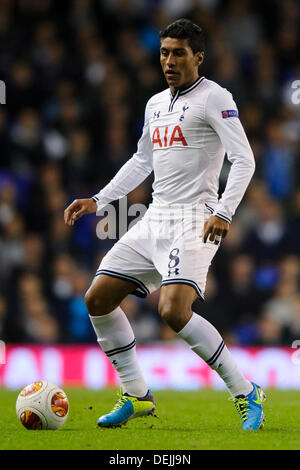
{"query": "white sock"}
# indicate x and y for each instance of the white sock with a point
(116, 338)
(207, 342)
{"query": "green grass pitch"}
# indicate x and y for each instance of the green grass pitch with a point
(185, 421)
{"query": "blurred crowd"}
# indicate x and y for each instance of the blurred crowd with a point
(78, 74)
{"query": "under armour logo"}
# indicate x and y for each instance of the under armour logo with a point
(173, 271)
(156, 114)
(184, 108)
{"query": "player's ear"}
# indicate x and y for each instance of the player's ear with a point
(199, 57)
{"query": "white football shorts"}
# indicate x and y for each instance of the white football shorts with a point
(164, 247)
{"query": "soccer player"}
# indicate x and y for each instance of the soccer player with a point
(187, 130)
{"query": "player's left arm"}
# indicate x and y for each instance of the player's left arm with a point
(222, 114)
(215, 227)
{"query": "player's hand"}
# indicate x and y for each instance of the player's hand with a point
(77, 209)
(216, 229)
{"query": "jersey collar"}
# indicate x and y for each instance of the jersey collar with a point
(184, 91)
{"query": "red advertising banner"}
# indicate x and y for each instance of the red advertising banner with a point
(164, 367)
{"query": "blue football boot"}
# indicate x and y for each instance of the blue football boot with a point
(127, 407)
(250, 408)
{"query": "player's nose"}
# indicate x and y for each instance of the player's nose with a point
(170, 62)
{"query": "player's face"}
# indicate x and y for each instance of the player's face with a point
(179, 63)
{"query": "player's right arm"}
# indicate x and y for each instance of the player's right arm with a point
(77, 209)
(130, 175)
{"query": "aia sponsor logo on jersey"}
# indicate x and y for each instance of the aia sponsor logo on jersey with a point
(166, 137)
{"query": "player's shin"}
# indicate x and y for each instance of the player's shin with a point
(116, 338)
(207, 343)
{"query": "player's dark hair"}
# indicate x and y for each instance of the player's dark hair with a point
(185, 29)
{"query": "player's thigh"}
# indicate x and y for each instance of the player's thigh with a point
(106, 293)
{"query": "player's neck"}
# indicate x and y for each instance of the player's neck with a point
(183, 87)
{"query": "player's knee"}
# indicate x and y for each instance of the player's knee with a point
(168, 311)
(90, 300)
(95, 302)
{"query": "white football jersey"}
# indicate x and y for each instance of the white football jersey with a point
(184, 141)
